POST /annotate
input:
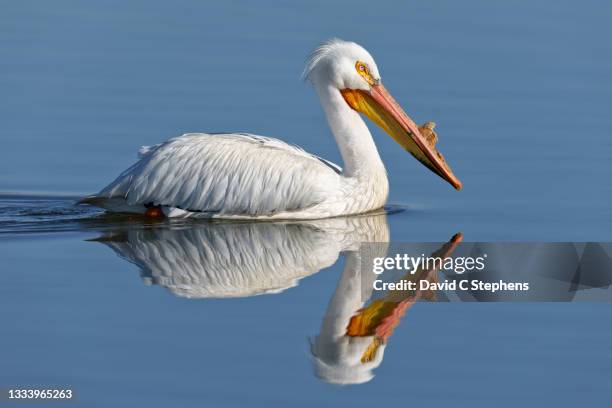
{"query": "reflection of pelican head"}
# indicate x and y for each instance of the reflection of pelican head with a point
(337, 357)
(240, 259)
(344, 365)
(352, 339)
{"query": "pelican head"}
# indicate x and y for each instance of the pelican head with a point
(349, 69)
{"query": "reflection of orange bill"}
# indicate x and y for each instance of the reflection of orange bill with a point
(378, 105)
(382, 316)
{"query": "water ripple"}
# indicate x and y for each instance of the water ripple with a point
(31, 213)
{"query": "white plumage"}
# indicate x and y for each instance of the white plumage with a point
(231, 175)
(249, 176)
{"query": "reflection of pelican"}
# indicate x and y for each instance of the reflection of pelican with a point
(248, 176)
(245, 259)
(352, 339)
(241, 259)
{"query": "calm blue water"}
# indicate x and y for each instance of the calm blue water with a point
(520, 92)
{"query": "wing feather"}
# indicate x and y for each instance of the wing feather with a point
(226, 173)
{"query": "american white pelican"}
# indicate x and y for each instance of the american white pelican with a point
(248, 176)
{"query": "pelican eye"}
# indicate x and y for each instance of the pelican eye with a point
(364, 71)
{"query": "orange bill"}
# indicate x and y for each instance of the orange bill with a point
(378, 105)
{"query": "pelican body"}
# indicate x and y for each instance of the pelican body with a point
(247, 176)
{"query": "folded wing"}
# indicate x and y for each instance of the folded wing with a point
(239, 174)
